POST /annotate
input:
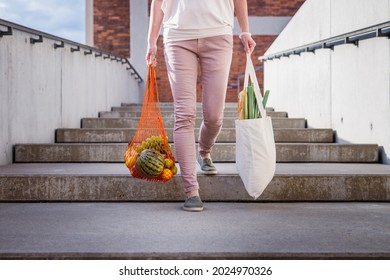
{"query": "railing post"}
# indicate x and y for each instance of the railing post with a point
(6, 33)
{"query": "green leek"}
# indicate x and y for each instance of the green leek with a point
(251, 100)
(265, 98)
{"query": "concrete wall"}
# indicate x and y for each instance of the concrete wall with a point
(139, 24)
(89, 22)
(347, 89)
(42, 88)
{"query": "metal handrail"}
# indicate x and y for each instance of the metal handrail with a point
(378, 30)
(75, 47)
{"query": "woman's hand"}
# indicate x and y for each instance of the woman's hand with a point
(156, 18)
(248, 42)
(241, 10)
(151, 55)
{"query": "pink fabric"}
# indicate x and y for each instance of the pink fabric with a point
(214, 55)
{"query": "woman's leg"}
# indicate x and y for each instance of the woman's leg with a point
(215, 54)
(182, 64)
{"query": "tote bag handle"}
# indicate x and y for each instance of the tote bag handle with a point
(250, 72)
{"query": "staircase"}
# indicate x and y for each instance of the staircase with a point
(86, 164)
(84, 170)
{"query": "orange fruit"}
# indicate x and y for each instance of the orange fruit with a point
(166, 174)
(130, 157)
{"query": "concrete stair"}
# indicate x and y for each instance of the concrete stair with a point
(124, 113)
(122, 135)
(222, 152)
(168, 122)
(83, 177)
(112, 182)
(168, 115)
(86, 164)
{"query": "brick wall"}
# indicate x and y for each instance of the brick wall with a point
(112, 26)
(237, 68)
(273, 7)
(111, 31)
(239, 61)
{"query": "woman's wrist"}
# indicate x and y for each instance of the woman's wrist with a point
(244, 34)
(152, 43)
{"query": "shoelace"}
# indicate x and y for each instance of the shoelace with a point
(208, 161)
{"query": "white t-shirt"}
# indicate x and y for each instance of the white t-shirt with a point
(193, 19)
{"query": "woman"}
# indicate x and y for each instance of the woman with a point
(197, 31)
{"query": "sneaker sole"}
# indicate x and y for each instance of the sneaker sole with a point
(193, 209)
(210, 172)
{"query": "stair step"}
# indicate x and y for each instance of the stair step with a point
(169, 114)
(222, 152)
(169, 105)
(170, 108)
(112, 182)
(228, 105)
(169, 122)
(118, 135)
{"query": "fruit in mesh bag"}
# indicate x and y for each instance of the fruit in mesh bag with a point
(174, 169)
(130, 157)
(167, 174)
(169, 163)
(155, 143)
(134, 172)
(150, 163)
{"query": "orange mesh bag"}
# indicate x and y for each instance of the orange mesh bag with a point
(148, 156)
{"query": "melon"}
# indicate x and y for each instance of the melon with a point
(150, 163)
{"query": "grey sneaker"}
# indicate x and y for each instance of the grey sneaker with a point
(193, 204)
(207, 166)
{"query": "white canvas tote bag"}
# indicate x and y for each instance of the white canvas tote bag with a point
(255, 144)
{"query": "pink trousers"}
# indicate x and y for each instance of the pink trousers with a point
(214, 56)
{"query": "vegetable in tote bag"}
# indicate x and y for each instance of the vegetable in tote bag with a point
(255, 143)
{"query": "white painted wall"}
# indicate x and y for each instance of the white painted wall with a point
(139, 24)
(89, 22)
(347, 89)
(42, 89)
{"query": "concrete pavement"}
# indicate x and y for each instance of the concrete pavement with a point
(222, 231)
